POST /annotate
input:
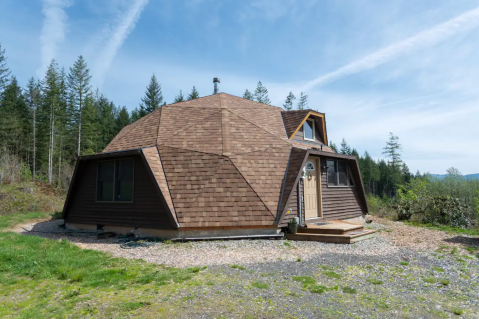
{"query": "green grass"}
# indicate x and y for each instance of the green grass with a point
(374, 281)
(350, 290)
(457, 311)
(404, 263)
(235, 266)
(260, 285)
(430, 280)
(318, 289)
(305, 280)
(332, 274)
(438, 269)
(445, 282)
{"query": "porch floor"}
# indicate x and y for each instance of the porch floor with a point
(335, 231)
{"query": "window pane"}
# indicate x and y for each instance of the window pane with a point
(332, 177)
(124, 180)
(343, 173)
(308, 130)
(105, 181)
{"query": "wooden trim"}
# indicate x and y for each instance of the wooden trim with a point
(229, 227)
(320, 189)
(304, 120)
(70, 189)
(294, 185)
(361, 187)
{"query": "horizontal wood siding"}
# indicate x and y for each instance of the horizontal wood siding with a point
(293, 207)
(148, 209)
(339, 202)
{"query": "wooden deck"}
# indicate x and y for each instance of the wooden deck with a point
(335, 231)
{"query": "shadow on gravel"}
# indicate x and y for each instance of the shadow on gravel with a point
(466, 241)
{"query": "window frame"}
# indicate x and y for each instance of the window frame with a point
(312, 127)
(349, 176)
(114, 181)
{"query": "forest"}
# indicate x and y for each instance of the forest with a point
(48, 123)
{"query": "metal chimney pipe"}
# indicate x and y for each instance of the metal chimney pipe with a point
(216, 81)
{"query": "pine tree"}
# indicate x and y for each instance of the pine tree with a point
(179, 97)
(194, 94)
(261, 94)
(106, 121)
(32, 97)
(392, 151)
(345, 148)
(288, 104)
(248, 95)
(14, 120)
(153, 97)
(303, 101)
(91, 126)
(333, 146)
(79, 85)
(48, 112)
(122, 120)
(4, 70)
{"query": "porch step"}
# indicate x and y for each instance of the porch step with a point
(348, 238)
(331, 227)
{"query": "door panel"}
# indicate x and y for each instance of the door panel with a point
(311, 190)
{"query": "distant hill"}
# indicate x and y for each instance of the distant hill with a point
(469, 177)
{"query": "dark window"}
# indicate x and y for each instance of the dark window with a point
(115, 181)
(105, 181)
(338, 173)
(124, 180)
(308, 130)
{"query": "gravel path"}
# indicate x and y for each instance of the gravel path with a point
(404, 272)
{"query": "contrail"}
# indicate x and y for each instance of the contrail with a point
(53, 30)
(126, 23)
(460, 24)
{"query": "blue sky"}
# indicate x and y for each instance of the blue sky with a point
(374, 67)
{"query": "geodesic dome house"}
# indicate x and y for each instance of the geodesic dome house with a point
(219, 165)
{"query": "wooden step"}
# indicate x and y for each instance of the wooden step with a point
(349, 238)
(330, 227)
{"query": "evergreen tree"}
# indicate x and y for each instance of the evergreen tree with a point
(51, 90)
(179, 97)
(354, 152)
(333, 146)
(79, 85)
(32, 97)
(288, 104)
(4, 70)
(261, 94)
(248, 95)
(194, 94)
(392, 151)
(153, 97)
(14, 120)
(122, 120)
(303, 101)
(406, 173)
(91, 126)
(345, 148)
(135, 115)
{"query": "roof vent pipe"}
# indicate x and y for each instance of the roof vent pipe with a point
(216, 81)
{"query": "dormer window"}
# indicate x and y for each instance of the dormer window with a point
(308, 129)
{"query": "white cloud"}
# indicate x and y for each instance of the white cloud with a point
(53, 30)
(462, 23)
(113, 35)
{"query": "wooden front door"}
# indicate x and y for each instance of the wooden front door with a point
(311, 189)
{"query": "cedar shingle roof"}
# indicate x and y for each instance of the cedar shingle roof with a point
(220, 160)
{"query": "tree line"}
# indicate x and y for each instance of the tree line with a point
(381, 177)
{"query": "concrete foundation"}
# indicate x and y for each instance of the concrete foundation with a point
(179, 233)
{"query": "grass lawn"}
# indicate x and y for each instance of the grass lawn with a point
(42, 278)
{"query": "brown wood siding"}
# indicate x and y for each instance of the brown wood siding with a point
(148, 209)
(293, 207)
(340, 202)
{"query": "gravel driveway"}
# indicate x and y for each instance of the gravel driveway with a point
(389, 276)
